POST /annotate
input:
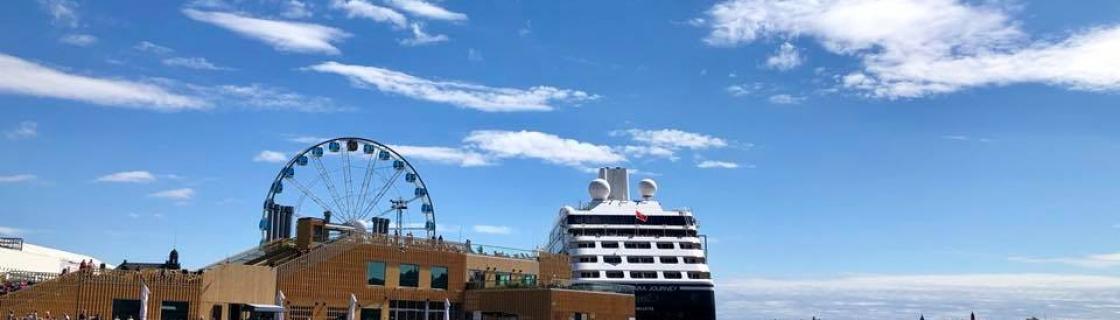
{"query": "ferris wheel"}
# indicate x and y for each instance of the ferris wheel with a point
(349, 181)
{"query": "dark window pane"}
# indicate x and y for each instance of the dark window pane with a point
(410, 275)
(439, 278)
(375, 273)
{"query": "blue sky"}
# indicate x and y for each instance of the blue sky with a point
(857, 148)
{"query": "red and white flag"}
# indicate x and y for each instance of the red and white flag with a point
(641, 217)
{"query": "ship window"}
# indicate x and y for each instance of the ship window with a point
(614, 274)
(612, 259)
(693, 260)
(610, 244)
(439, 277)
(584, 244)
(664, 245)
(643, 274)
(637, 245)
(699, 275)
(690, 245)
(588, 274)
(375, 273)
(639, 259)
(588, 259)
(410, 275)
(529, 280)
(672, 274)
(668, 259)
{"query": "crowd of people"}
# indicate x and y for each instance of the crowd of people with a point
(47, 316)
(12, 286)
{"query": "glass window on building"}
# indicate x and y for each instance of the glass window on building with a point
(410, 275)
(439, 277)
(612, 259)
(672, 274)
(375, 273)
(614, 274)
(501, 279)
(610, 244)
(529, 280)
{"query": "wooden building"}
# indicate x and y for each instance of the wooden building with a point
(316, 277)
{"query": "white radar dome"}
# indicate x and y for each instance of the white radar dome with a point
(599, 189)
(647, 187)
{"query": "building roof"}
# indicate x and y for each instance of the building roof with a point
(36, 258)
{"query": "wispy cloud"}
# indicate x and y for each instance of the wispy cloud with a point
(712, 164)
(181, 194)
(419, 37)
(446, 155)
(270, 157)
(462, 94)
(786, 58)
(666, 142)
(81, 40)
(965, 138)
(307, 139)
(542, 146)
(17, 178)
(259, 96)
(1099, 261)
(152, 47)
(1003, 296)
(28, 78)
(367, 10)
(63, 12)
(299, 37)
(427, 10)
(295, 9)
(12, 232)
(785, 99)
(138, 176)
(192, 63)
(25, 130)
(489, 229)
(916, 48)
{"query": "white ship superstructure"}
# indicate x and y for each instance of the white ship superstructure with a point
(616, 240)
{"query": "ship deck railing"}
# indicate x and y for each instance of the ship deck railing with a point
(563, 284)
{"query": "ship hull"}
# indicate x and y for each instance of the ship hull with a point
(674, 302)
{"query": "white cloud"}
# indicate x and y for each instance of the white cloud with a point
(25, 130)
(27, 78)
(1106, 260)
(288, 36)
(427, 10)
(785, 99)
(181, 194)
(786, 58)
(965, 138)
(263, 97)
(17, 178)
(991, 296)
(446, 155)
(915, 48)
(12, 232)
(152, 47)
(741, 90)
(307, 139)
(546, 147)
(467, 95)
(296, 9)
(673, 138)
(138, 176)
(712, 164)
(192, 63)
(364, 9)
(81, 40)
(474, 55)
(271, 157)
(419, 37)
(488, 229)
(63, 12)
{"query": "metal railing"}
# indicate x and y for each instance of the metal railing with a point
(554, 284)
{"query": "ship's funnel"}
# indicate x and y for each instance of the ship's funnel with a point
(619, 180)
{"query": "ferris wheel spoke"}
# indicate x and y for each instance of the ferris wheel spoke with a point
(326, 177)
(349, 200)
(381, 193)
(307, 192)
(366, 179)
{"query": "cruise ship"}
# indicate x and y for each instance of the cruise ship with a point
(616, 240)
